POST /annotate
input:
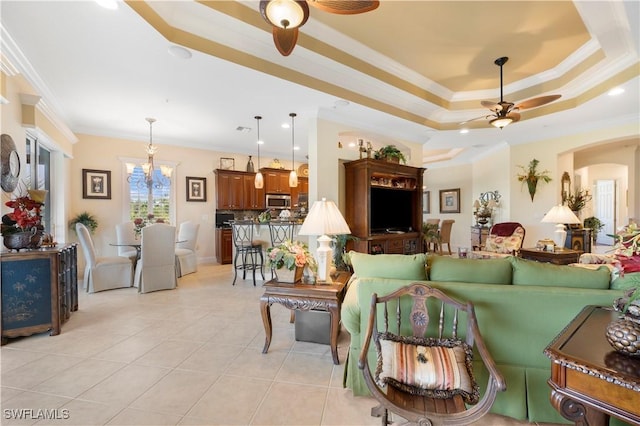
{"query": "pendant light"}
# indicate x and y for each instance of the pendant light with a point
(259, 180)
(293, 177)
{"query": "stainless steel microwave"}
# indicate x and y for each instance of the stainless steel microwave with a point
(278, 201)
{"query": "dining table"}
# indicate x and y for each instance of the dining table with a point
(137, 246)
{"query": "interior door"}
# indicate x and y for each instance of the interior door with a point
(606, 209)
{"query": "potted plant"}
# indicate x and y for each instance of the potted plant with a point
(340, 257)
(22, 228)
(531, 176)
(595, 225)
(578, 200)
(430, 233)
(85, 218)
(289, 260)
(390, 153)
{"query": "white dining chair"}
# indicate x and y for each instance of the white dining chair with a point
(186, 258)
(125, 234)
(156, 269)
(102, 273)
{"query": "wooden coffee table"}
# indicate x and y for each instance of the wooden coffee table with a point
(590, 381)
(557, 257)
(305, 297)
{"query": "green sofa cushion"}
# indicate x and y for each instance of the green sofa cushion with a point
(626, 281)
(482, 271)
(392, 266)
(531, 272)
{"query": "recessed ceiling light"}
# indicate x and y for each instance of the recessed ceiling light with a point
(179, 52)
(616, 91)
(464, 131)
(286, 125)
(340, 103)
(108, 4)
(243, 129)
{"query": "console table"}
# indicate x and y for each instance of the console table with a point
(306, 297)
(39, 290)
(590, 381)
(557, 257)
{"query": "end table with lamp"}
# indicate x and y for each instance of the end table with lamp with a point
(324, 219)
(560, 215)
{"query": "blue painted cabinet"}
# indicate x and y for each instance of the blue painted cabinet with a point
(39, 290)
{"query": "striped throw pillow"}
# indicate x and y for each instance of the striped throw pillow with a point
(437, 368)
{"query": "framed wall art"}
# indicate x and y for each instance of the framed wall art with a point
(196, 188)
(450, 200)
(96, 184)
(227, 163)
(426, 202)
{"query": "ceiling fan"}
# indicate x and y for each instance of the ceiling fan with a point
(505, 113)
(286, 16)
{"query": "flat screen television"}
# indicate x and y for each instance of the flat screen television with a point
(391, 210)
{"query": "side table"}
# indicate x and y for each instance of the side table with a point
(557, 257)
(590, 381)
(305, 297)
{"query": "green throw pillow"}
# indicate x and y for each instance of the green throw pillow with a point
(393, 266)
(481, 271)
(626, 281)
(531, 272)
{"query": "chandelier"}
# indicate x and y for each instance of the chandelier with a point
(151, 179)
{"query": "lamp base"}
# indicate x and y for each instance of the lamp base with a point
(560, 236)
(325, 254)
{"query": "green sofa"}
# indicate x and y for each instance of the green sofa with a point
(521, 306)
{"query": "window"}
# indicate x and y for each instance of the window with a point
(144, 199)
(38, 175)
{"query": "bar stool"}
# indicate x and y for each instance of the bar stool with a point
(280, 232)
(248, 255)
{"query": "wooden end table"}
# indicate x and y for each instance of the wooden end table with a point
(305, 297)
(590, 381)
(557, 257)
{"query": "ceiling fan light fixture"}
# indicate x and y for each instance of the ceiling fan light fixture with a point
(287, 14)
(501, 122)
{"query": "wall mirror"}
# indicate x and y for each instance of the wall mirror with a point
(566, 186)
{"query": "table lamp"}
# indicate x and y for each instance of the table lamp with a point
(560, 215)
(324, 219)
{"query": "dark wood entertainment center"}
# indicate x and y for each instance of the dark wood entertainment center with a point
(380, 193)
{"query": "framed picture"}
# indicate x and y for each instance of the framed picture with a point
(450, 200)
(196, 188)
(96, 184)
(227, 163)
(426, 202)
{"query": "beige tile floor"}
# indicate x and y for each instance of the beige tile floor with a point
(190, 356)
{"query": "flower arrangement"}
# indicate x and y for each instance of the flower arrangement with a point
(627, 248)
(578, 200)
(139, 223)
(531, 176)
(25, 215)
(390, 152)
(289, 255)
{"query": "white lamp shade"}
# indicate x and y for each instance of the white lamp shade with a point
(560, 214)
(130, 168)
(324, 218)
(286, 13)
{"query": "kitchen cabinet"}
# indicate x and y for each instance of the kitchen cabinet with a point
(253, 199)
(224, 246)
(384, 206)
(235, 191)
(39, 290)
(276, 181)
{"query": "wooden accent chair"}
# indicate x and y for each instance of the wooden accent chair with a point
(427, 376)
(445, 235)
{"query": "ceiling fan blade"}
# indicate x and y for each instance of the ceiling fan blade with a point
(342, 7)
(515, 116)
(535, 102)
(493, 106)
(474, 119)
(285, 39)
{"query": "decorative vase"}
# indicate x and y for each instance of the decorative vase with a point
(284, 275)
(250, 167)
(623, 335)
(532, 183)
(19, 240)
